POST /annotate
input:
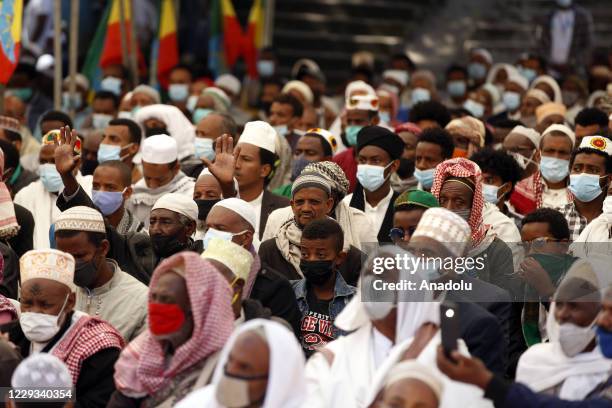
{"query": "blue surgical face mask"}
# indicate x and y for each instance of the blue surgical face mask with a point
(420, 95)
(199, 114)
(351, 134)
(585, 186)
(385, 117)
(463, 213)
(178, 92)
(527, 73)
(456, 88)
(22, 93)
(554, 169)
(204, 148)
(281, 129)
(489, 191)
(475, 108)
(108, 152)
(75, 102)
(50, 177)
(111, 84)
(107, 201)
(265, 68)
(425, 177)
(512, 100)
(476, 70)
(372, 177)
(213, 233)
(101, 120)
(604, 339)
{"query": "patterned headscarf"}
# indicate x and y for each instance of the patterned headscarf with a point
(142, 368)
(53, 137)
(464, 168)
(333, 173)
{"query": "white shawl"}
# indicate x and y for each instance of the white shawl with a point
(177, 124)
(286, 383)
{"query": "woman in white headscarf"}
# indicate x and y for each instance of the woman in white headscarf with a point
(176, 124)
(286, 386)
(569, 366)
(549, 85)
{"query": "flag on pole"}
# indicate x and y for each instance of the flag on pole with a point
(167, 47)
(11, 13)
(91, 67)
(112, 53)
(228, 41)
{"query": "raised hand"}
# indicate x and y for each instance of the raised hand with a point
(223, 165)
(532, 273)
(65, 160)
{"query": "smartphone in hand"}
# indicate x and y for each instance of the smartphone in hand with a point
(449, 327)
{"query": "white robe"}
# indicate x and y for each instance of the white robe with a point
(41, 204)
(595, 238)
(505, 229)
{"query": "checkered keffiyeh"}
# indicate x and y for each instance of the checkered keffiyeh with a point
(333, 173)
(84, 339)
(576, 222)
(460, 167)
(142, 368)
(7, 307)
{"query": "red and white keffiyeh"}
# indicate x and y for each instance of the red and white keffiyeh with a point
(84, 339)
(464, 168)
(142, 368)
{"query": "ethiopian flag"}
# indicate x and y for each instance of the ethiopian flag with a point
(229, 41)
(11, 12)
(165, 52)
(111, 53)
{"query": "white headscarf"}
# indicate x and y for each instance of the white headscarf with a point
(545, 365)
(496, 68)
(177, 124)
(550, 81)
(286, 382)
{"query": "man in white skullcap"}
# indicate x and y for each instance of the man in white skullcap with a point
(48, 323)
(523, 144)
(233, 219)
(411, 383)
(161, 175)
(78, 101)
(479, 65)
(361, 111)
(234, 263)
(41, 371)
(515, 87)
(232, 88)
(556, 148)
(172, 223)
(589, 182)
(103, 289)
(145, 95)
(254, 169)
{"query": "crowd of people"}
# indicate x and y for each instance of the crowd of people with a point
(214, 243)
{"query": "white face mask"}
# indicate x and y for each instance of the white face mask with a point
(223, 235)
(521, 160)
(41, 327)
(574, 339)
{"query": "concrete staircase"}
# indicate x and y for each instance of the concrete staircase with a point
(437, 32)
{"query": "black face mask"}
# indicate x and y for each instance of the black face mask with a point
(317, 272)
(88, 167)
(166, 246)
(204, 207)
(85, 273)
(406, 168)
(152, 131)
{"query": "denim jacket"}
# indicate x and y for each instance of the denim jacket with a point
(343, 292)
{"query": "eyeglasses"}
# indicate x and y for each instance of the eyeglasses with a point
(538, 243)
(398, 234)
